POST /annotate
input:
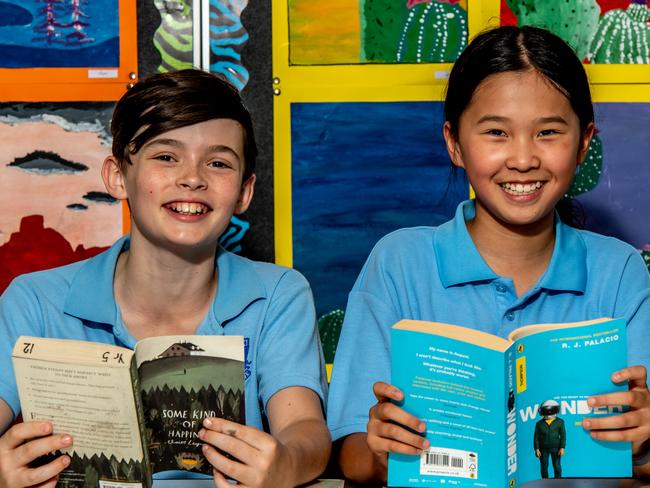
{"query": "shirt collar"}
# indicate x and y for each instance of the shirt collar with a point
(457, 258)
(459, 261)
(91, 296)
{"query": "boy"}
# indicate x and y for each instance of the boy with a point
(183, 157)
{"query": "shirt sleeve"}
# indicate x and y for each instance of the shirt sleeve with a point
(19, 315)
(290, 353)
(363, 352)
(633, 303)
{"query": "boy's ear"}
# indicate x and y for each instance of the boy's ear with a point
(585, 140)
(113, 178)
(452, 146)
(245, 194)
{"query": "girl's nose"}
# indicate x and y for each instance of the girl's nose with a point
(523, 156)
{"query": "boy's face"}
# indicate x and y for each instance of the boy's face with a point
(184, 185)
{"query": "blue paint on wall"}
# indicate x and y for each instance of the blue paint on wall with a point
(360, 171)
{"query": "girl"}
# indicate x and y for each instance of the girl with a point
(518, 120)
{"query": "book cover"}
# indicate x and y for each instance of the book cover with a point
(483, 399)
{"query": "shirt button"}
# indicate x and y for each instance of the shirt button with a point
(501, 288)
(510, 316)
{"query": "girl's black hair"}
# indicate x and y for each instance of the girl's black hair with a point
(511, 48)
(168, 101)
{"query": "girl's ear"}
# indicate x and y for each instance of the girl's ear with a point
(113, 178)
(585, 139)
(245, 194)
(452, 146)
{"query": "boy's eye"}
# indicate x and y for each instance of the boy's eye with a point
(219, 164)
(164, 157)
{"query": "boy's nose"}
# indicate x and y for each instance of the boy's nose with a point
(192, 179)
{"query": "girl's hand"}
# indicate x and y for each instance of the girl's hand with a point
(261, 461)
(633, 425)
(390, 428)
(21, 445)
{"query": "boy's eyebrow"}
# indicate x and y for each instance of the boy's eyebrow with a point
(218, 148)
(540, 120)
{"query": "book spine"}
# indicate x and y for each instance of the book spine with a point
(135, 381)
(510, 421)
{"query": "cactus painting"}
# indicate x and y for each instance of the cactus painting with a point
(600, 31)
(376, 31)
(59, 33)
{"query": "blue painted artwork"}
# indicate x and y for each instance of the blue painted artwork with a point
(59, 33)
(228, 37)
(618, 205)
(360, 171)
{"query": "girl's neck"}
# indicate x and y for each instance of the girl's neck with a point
(521, 253)
(162, 293)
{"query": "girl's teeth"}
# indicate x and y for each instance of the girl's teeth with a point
(521, 189)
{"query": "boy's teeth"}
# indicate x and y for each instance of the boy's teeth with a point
(521, 189)
(188, 208)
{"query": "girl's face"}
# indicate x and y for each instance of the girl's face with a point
(519, 141)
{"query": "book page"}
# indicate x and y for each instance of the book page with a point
(93, 402)
(182, 380)
(557, 370)
(458, 390)
(457, 332)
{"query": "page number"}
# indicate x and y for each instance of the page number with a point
(28, 347)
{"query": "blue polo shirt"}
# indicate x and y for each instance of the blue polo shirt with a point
(437, 274)
(271, 306)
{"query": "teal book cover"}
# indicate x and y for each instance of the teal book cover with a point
(502, 412)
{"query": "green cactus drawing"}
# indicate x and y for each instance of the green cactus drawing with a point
(433, 33)
(426, 32)
(329, 328)
(575, 21)
(623, 36)
(589, 171)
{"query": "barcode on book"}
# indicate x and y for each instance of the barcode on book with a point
(118, 484)
(440, 461)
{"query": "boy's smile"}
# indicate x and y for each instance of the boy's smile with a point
(184, 185)
(519, 140)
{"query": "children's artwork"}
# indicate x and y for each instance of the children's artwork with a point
(59, 33)
(54, 206)
(615, 202)
(376, 31)
(227, 40)
(600, 31)
(360, 171)
(174, 38)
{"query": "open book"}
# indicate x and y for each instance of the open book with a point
(499, 412)
(131, 414)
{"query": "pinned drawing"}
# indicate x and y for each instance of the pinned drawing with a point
(59, 33)
(54, 206)
(600, 31)
(227, 40)
(174, 38)
(376, 31)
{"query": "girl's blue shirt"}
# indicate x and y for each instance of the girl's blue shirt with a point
(437, 274)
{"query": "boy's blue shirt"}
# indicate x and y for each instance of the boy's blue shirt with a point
(437, 274)
(271, 306)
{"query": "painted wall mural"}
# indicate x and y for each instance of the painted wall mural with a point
(360, 171)
(601, 31)
(376, 31)
(54, 206)
(59, 33)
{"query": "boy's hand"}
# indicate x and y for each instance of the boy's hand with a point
(21, 445)
(261, 460)
(388, 427)
(633, 425)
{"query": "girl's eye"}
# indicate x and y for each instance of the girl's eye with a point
(495, 132)
(548, 132)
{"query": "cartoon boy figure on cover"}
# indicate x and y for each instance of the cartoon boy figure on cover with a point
(519, 120)
(183, 157)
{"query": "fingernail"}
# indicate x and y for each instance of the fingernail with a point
(65, 461)
(201, 433)
(586, 424)
(617, 377)
(46, 428)
(204, 448)
(207, 422)
(422, 427)
(591, 401)
(425, 444)
(66, 440)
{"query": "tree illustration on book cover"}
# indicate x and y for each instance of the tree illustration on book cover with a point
(180, 387)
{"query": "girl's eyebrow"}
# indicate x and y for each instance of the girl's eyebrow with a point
(540, 120)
